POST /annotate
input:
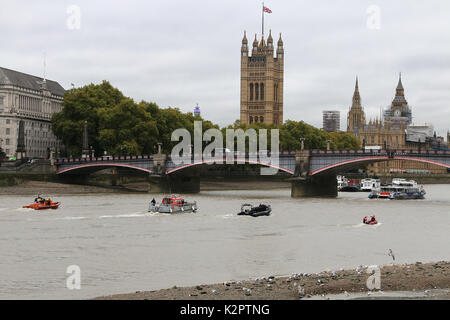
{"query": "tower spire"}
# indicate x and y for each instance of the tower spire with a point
(356, 102)
(400, 85)
(356, 119)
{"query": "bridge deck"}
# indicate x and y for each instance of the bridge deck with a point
(320, 160)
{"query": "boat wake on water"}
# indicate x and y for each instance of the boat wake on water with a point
(127, 215)
(71, 218)
(227, 216)
(24, 209)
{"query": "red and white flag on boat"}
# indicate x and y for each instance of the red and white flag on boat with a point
(265, 9)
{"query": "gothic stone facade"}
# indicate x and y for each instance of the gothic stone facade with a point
(33, 100)
(262, 82)
(389, 133)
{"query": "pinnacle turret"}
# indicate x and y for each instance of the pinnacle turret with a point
(270, 39)
(244, 40)
(280, 41)
(255, 42)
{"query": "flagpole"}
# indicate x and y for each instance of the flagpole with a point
(263, 18)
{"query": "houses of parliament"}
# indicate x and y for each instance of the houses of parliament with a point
(393, 131)
(261, 101)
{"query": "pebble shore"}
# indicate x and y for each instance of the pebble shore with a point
(406, 277)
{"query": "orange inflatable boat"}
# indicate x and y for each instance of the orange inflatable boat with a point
(42, 204)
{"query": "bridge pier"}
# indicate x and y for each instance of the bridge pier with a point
(187, 181)
(158, 184)
(82, 179)
(303, 185)
(315, 186)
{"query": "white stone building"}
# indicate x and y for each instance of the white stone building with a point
(34, 100)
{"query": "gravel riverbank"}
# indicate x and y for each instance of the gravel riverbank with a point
(408, 277)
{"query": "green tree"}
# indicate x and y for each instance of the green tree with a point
(80, 105)
(116, 123)
(291, 132)
(344, 141)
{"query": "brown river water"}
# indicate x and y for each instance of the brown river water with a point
(121, 248)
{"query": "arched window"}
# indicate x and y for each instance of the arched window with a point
(261, 119)
(251, 91)
(251, 119)
(262, 91)
(256, 91)
(256, 119)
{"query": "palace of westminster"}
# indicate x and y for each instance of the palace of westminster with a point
(262, 76)
(394, 131)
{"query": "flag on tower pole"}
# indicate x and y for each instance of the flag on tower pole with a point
(264, 9)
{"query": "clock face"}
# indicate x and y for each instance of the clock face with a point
(397, 113)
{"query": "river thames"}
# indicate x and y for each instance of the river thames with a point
(121, 248)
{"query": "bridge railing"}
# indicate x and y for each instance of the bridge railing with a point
(382, 152)
(102, 159)
(348, 152)
(239, 155)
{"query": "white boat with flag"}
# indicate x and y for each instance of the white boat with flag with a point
(399, 189)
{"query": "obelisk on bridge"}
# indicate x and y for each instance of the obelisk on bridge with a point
(85, 149)
(21, 150)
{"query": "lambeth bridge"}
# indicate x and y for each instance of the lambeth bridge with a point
(312, 172)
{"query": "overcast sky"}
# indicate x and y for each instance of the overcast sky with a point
(178, 53)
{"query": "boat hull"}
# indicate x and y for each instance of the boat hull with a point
(256, 211)
(408, 195)
(399, 196)
(39, 206)
(188, 207)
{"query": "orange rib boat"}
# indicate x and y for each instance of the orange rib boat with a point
(42, 205)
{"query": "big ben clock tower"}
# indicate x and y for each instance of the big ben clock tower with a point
(400, 110)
